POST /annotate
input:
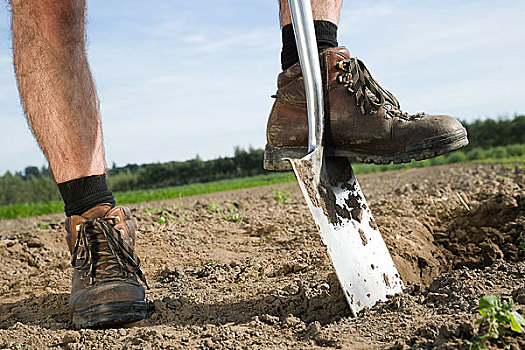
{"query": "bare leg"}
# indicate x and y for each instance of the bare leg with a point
(323, 10)
(56, 87)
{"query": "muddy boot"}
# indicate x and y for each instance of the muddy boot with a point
(362, 120)
(105, 291)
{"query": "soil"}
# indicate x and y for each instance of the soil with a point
(240, 270)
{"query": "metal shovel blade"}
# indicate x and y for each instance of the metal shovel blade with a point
(360, 257)
(361, 260)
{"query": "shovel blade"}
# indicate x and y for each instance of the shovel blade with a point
(360, 257)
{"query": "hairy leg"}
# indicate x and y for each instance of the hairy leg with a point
(323, 10)
(56, 86)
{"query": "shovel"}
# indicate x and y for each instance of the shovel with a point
(359, 255)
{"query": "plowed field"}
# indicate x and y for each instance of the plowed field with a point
(243, 270)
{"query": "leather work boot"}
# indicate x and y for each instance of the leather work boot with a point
(105, 290)
(362, 119)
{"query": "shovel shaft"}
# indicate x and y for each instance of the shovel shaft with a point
(303, 24)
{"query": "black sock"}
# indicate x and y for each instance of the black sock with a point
(85, 193)
(326, 33)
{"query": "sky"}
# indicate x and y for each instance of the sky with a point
(177, 79)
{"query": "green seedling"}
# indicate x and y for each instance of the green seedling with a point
(282, 197)
(213, 207)
(233, 215)
(164, 216)
(499, 319)
(149, 211)
(42, 226)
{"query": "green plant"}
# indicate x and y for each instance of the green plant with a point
(162, 219)
(213, 207)
(476, 154)
(233, 215)
(456, 157)
(149, 211)
(497, 152)
(42, 226)
(282, 197)
(515, 150)
(499, 320)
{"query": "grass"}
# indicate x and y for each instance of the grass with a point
(442, 160)
(500, 154)
(202, 188)
(22, 210)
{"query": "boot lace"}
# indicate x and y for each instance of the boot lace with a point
(116, 260)
(370, 96)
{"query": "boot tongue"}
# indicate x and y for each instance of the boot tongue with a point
(97, 212)
(72, 222)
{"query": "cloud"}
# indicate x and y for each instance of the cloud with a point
(461, 58)
(176, 79)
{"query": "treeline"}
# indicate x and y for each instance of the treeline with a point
(133, 177)
(34, 184)
(491, 133)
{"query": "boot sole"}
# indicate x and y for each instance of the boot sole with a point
(109, 314)
(275, 157)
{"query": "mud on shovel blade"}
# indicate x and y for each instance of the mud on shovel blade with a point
(360, 257)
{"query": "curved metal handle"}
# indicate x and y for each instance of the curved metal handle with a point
(303, 25)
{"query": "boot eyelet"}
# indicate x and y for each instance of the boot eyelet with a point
(116, 219)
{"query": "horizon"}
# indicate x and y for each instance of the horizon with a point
(156, 63)
(232, 155)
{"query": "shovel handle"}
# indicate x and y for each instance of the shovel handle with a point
(303, 25)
